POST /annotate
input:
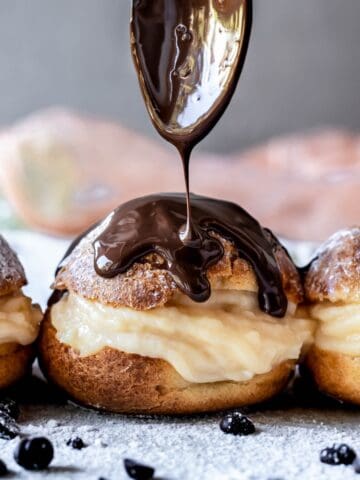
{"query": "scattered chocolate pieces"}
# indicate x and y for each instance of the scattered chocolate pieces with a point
(137, 471)
(34, 453)
(8, 427)
(338, 455)
(10, 407)
(76, 443)
(237, 423)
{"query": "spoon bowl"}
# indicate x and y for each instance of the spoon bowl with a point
(189, 55)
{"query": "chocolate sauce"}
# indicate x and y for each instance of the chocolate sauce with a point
(189, 55)
(153, 224)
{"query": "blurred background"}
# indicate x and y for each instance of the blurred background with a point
(302, 70)
(302, 76)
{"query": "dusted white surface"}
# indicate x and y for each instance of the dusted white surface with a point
(286, 446)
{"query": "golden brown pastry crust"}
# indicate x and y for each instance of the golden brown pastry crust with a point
(126, 383)
(335, 374)
(15, 364)
(147, 286)
(12, 275)
(335, 274)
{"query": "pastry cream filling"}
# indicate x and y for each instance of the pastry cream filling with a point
(338, 328)
(19, 319)
(227, 338)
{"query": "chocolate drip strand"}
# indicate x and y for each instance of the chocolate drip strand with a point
(189, 55)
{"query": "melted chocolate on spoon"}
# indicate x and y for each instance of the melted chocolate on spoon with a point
(189, 55)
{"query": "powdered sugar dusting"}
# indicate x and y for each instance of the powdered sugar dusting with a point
(335, 274)
(12, 275)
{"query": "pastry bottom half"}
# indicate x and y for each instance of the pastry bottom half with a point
(336, 374)
(120, 382)
(15, 362)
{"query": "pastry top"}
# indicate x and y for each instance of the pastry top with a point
(334, 275)
(12, 275)
(147, 285)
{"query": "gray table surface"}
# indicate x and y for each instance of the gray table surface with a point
(290, 432)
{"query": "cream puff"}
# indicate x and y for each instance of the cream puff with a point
(332, 286)
(134, 342)
(19, 319)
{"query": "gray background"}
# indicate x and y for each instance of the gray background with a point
(302, 71)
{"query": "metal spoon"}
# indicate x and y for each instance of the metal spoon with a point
(189, 55)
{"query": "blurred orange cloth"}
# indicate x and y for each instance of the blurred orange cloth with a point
(62, 171)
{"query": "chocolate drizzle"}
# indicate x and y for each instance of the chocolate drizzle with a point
(189, 55)
(153, 224)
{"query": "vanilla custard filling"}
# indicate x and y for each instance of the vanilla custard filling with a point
(227, 338)
(338, 327)
(19, 319)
